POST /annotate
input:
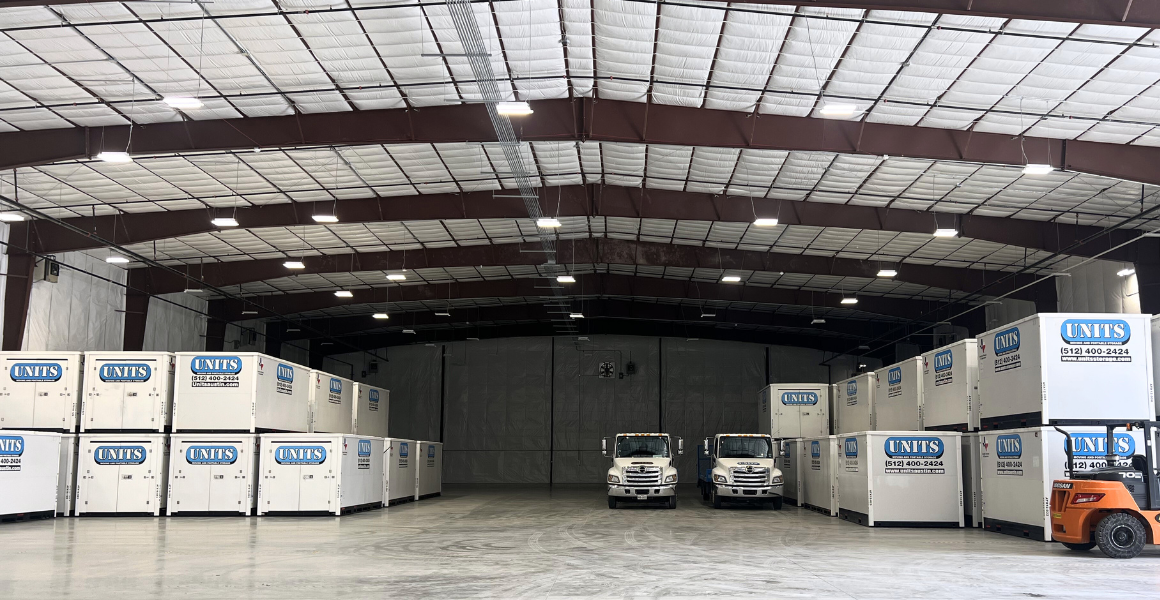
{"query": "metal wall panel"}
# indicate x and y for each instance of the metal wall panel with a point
(414, 375)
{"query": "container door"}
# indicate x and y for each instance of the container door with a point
(97, 485)
(142, 393)
(814, 420)
(227, 484)
(318, 482)
(280, 482)
(54, 399)
(17, 408)
(189, 483)
(104, 400)
(135, 485)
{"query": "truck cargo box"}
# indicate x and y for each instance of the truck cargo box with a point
(371, 410)
(819, 474)
(243, 392)
(40, 390)
(331, 403)
(320, 473)
(127, 391)
(429, 470)
(901, 478)
(212, 473)
(950, 387)
(794, 410)
(399, 471)
(29, 470)
(854, 404)
(122, 474)
(898, 396)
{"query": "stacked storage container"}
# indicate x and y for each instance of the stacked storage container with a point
(213, 473)
(819, 474)
(127, 391)
(950, 402)
(794, 410)
(789, 460)
(371, 410)
(398, 471)
(898, 396)
(122, 474)
(893, 478)
(854, 404)
(320, 473)
(331, 403)
(29, 469)
(429, 470)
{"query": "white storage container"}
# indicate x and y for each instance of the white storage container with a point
(320, 473)
(29, 469)
(793, 410)
(1155, 355)
(40, 390)
(972, 483)
(854, 404)
(371, 410)
(1019, 465)
(1066, 366)
(247, 391)
(428, 470)
(950, 387)
(398, 471)
(901, 478)
(127, 391)
(819, 475)
(898, 396)
(67, 475)
(122, 473)
(789, 460)
(211, 473)
(331, 403)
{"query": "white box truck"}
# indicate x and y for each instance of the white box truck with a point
(642, 468)
(40, 390)
(320, 473)
(898, 396)
(1066, 366)
(972, 480)
(245, 392)
(428, 470)
(794, 410)
(950, 387)
(1019, 466)
(398, 471)
(901, 478)
(789, 460)
(67, 475)
(331, 403)
(371, 410)
(211, 473)
(29, 469)
(819, 474)
(127, 391)
(122, 473)
(854, 404)
(739, 467)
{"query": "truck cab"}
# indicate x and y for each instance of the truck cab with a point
(642, 468)
(739, 467)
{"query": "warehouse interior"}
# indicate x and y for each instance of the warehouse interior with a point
(585, 298)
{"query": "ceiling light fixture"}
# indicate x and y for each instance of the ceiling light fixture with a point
(249, 312)
(182, 102)
(325, 219)
(513, 109)
(116, 259)
(396, 277)
(193, 290)
(576, 315)
(225, 222)
(381, 316)
(565, 279)
(730, 279)
(294, 264)
(442, 313)
(547, 222)
(887, 273)
(344, 294)
(849, 300)
(411, 331)
(11, 217)
(115, 157)
(945, 232)
(1126, 272)
(838, 110)
(765, 222)
(818, 321)
(1035, 169)
(708, 315)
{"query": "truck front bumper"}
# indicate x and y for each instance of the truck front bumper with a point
(636, 493)
(749, 493)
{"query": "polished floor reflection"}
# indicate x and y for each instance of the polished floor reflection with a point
(537, 542)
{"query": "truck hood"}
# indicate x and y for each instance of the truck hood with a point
(620, 463)
(729, 463)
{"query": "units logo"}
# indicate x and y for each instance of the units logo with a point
(373, 398)
(894, 376)
(1095, 445)
(1090, 332)
(364, 447)
(119, 455)
(216, 365)
(1007, 341)
(404, 449)
(300, 455)
(11, 445)
(285, 373)
(125, 372)
(816, 449)
(211, 455)
(852, 388)
(850, 446)
(1009, 446)
(943, 361)
(799, 398)
(914, 447)
(335, 385)
(32, 372)
(431, 451)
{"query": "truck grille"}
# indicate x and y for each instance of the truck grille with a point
(742, 476)
(642, 476)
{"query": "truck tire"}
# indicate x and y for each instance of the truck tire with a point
(716, 499)
(777, 503)
(1120, 535)
(705, 495)
(672, 502)
(1084, 547)
(611, 502)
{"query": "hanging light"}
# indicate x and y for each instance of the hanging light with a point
(115, 157)
(116, 259)
(1126, 272)
(945, 232)
(565, 279)
(182, 102)
(849, 300)
(765, 222)
(11, 217)
(513, 109)
(225, 222)
(547, 222)
(396, 277)
(576, 315)
(730, 279)
(294, 264)
(325, 219)
(887, 273)
(832, 109)
(381, 316)
(344, 294)
(1036, 169)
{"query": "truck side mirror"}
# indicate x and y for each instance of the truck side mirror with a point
(604, 446)
(705, 447)
(680, 446)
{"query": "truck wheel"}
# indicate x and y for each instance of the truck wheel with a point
(705, 495)
(1084, 547)
(611, 502)
(672, 501)
(777, 503)
(1121, 535)
(716, 499)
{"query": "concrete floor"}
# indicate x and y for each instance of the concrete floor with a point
(539, 542)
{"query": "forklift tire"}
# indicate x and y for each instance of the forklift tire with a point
(672, 502)
(611, 502)
(777, 503)
(1080, 547)
(716, 499)
(1120, 535)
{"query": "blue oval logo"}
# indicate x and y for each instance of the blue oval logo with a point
(403, 449)
(119, 455)
(42, 371)
(943, 361)
(894, 376)
(852, 387)
(373, 396)
(816, 449)
(300, 455)
(850, 446)
(125, 372)
(11, 445)
(1009, 446)
(1096, 444)
(205, 365)
(799, 398)
(914, 447)
(211, 455)
(1095, 331)
(335, 385)
(1007, 341)
(431, 451)
(286, 373)
(364, 447)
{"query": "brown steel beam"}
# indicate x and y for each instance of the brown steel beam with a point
(18, 287)
(590, 201)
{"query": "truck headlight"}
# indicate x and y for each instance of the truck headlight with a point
(613, 479)
(671, 479)
(776, 480)
(720, 478)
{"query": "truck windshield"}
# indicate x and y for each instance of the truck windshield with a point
(642, 446)
(744, 447)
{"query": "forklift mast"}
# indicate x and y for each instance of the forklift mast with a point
(1151, 479)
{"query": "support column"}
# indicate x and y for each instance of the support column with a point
(136, 311)
(1147, 266)
(18, 286)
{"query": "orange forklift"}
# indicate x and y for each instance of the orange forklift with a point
(1114, 507)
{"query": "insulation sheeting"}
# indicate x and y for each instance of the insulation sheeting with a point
(171, 328)
(245, 336)
(414, 376)
(497, 410)
(1095, 287)
(80, 311)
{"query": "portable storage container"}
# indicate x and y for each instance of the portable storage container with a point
(1155, 356)
(854, 404)
(122, 474)
(331, 403)
(950, 387)
(211, 473)
(127, 391)
(789, 460)
(247, 391)
(901, 478)
(371, 410)
(794, 410)
(1018, 467)
(428, 470)
(40, 390)
(67, 475)
(819, 476)
(29, 469)
(972, 483)
(898, 396)
(320, 473)
(1066, 366)
(398, 471)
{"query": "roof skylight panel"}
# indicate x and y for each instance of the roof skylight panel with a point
(578, 32)
(668, 166)
(748, 50)
(624, 48)
(531, 40)
(711, 169)
(686, 44)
